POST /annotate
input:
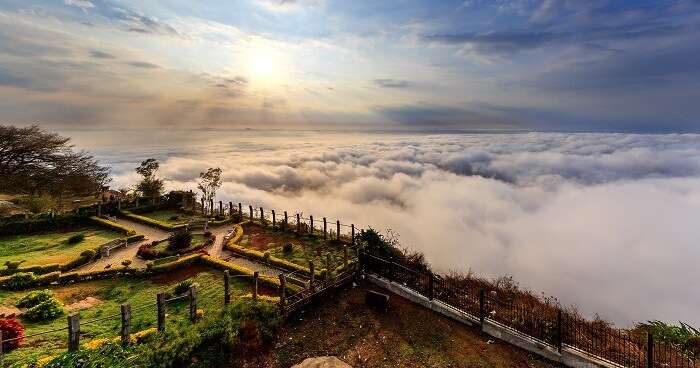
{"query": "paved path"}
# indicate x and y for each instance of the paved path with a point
(118, 255)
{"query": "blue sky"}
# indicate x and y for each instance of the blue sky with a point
(546, 65)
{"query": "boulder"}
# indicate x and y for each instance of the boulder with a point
(322, 362)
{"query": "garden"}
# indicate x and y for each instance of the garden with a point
(173, 217)
(178, 243)
(45, 308)
(53, 247)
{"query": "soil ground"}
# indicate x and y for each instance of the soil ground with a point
(404, 336)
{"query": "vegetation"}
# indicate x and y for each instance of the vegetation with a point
(682, 335)
(11, 329)
(180, 240)
(150, 185)
(34, 298)
(44, 311)
(209, 182)
(53, 247)
(37, 162)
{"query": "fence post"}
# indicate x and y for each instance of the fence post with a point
(160, 303)
(73, 332)
(240, 211)
(256, 274)
(325, 229)
(193, 304)
(352, 229)
(126, 324)
(262, 216)
(221, 208)
(311, 230)
(211, 206)
(431, 286)
(560, 337)
(230, 209)
(313, 276)
(203, 210)
(337, 229)
(274, 220)
(482, 306)
(250, 208)
(298, 225)
(650, 350)
(345, 255)
(227, 288)
(285, 220)
(282, 293)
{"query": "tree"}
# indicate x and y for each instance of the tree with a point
(34, 161)
(150, 185)
(209, 182)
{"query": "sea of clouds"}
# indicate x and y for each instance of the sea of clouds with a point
(608, 222)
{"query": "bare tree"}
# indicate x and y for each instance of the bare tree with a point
(209, 182)
(34, 161)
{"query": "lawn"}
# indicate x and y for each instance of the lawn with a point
(305, 248)
(52, 247)
(138, 292)
(172, 217)
(197, 240)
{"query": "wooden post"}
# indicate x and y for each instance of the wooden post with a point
(160, 303)
(325, 229)
(345, 255)
(311, 220)
(313, 276)
(274, 223)
(482, 307)
(227, 288)
(193, 304)
(203, 211)
(256, 275)
(337, 229)
(560, 338)
(73, 332)
(282, 293)
(650, 350)
(352, 233)
(240, 211)
(262, 216)
(221, 208)
(211, 206)
(126, 324)
(431, 286)
(230, 209)
(250, 208)
(298, 225)
(286, 222)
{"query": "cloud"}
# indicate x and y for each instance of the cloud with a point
(140, 23)
(84, 5)
(392, 83)
(101, 54)
(583, 217)
(143, 65)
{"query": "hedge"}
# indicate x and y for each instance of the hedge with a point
(113, 225)
(147, 252)
(41, 224)
(151, 222)
(240, 270)
(260, 256)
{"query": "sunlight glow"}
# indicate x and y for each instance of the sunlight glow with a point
(264, 65)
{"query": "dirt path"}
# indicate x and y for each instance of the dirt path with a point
(118, 255)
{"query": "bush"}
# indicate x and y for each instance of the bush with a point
(208, 234)
(126, 263)
(184, 286)
(37, 204)
(13, 265)
(88, 253)
(34, 298)
(174, 218)
(11, 329)
(288, 248)
(44, 311)
(21, 280)
(77, 238)
(180, 240)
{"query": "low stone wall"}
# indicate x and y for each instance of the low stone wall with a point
(568, 357)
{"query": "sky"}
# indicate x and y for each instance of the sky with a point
(418, 65)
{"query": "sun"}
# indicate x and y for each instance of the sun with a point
(263, 64)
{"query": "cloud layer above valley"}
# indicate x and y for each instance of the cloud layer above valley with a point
(603, 221)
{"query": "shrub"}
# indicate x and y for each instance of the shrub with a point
(219, 217)
(208, 234)
(174, 218)
(21, 280)
(126, 263)
(44, 311)
(11, 329)
(180, 240)
(38, 204)
(266, 257)
(184, 286)
(88, 254)
(77, 238)
(13, 265)
(34, 298)
(288, 248)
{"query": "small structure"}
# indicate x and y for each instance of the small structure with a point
(111, 195)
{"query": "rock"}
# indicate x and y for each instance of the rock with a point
(322, 362)
(83, 304)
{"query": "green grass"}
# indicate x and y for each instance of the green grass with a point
(306, 248)
(137, 292)
(53, 247)
(166, 215)
(197, 240)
